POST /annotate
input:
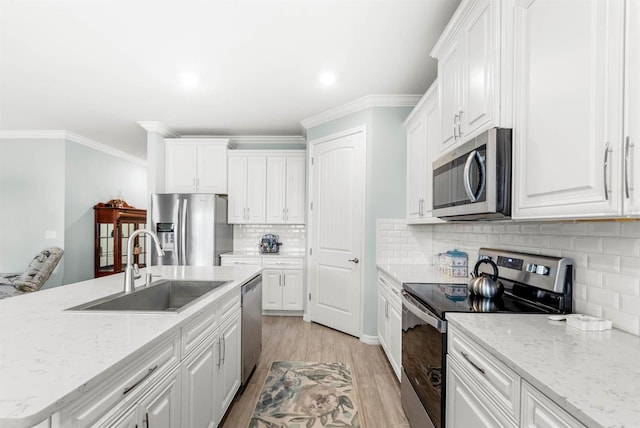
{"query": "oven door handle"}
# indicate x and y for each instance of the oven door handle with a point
(433, 321)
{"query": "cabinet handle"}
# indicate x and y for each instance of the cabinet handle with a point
(386, 309)
(460, 123)
(129, 388)
(247, 213)
(605, 170)
(224, 348)
(283, 216)
(627, 147)
(466, 357)
(455, 127)
(219, 352)
(286, 217)
(146, 419)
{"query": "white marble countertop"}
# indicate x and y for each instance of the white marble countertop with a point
(257, 253)
(49, 356)
(594, 376)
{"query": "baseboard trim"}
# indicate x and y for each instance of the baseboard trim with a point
(283, 313)
(369, 340)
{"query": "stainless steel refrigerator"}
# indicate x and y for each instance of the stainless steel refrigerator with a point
(192, 228)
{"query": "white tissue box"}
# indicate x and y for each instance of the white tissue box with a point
(588, 323)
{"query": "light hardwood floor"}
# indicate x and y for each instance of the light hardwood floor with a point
(292, 339)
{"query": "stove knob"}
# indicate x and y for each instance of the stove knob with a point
(531, 267)
(542, 270)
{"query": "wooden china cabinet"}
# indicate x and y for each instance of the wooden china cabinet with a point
(115, 221)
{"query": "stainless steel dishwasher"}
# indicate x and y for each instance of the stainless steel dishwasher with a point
(251, 326)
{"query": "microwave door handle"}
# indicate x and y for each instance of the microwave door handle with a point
(473, 197)
(429, 319)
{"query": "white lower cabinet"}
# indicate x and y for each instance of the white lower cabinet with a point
(161, 407)
(188, 380)
(158, 407)
(211, 377)
(483, 392)
(467, 405)
(539, 411)
(390, 321)
(199, 391)
(282, 284)
(229, 375)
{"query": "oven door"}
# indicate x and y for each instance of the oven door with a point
(423, 364)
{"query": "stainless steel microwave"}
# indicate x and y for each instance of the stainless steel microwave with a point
(473, 182)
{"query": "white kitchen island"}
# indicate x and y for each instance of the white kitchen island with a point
(51, 358)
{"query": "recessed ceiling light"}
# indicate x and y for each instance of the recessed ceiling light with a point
(327, 78)
(189, 80)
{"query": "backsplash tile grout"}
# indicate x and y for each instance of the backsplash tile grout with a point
(606, 255)
(246, 237)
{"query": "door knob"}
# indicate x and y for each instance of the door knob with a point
(355, 260)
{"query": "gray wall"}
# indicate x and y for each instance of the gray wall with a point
(92, 176)
(48, 188)
(385, 187)
(32, 202)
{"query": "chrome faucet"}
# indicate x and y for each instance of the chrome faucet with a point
(129, 274)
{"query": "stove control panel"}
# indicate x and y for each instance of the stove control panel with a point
(544, 272)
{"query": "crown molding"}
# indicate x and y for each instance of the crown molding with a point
(159, 127)
(268, 139)
(258, 140)
(358, 105)
(73, 137)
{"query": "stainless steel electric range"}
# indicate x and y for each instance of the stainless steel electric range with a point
(532, 284)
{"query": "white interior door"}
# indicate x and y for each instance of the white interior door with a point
(337, 230)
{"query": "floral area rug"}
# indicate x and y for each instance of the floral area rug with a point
(306, 395)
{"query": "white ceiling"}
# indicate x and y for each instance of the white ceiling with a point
(96, 67)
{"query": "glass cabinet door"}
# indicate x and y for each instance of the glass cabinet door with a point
(105, 239)
(113, 227)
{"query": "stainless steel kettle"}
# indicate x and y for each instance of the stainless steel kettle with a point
(484, 284)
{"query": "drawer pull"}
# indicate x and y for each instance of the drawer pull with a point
(466, 357)
(129, 388)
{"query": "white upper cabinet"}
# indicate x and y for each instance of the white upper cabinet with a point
(286, 188)
(196, 165)
(632, 110)
(568, 109)
(247, 187)
(474, 56)
(423, 142)
(267, 186)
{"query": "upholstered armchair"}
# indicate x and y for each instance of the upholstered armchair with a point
(34, 276)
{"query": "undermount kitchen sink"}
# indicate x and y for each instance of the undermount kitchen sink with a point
(160, 296)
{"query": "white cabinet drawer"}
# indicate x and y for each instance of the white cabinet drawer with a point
(467, 405)
(228, 304)
(236, 261)
(199, 329)
(539, 411)
(499, 382)
(126, 386)
(280, 263)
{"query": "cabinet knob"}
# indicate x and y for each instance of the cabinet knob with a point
(355, 260)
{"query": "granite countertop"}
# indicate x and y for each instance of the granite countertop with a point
(49, 356)
(592, 375)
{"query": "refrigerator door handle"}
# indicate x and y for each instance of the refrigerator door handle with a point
(183, 234)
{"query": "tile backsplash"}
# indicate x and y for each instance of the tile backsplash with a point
(606, 254)
(246, 237)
